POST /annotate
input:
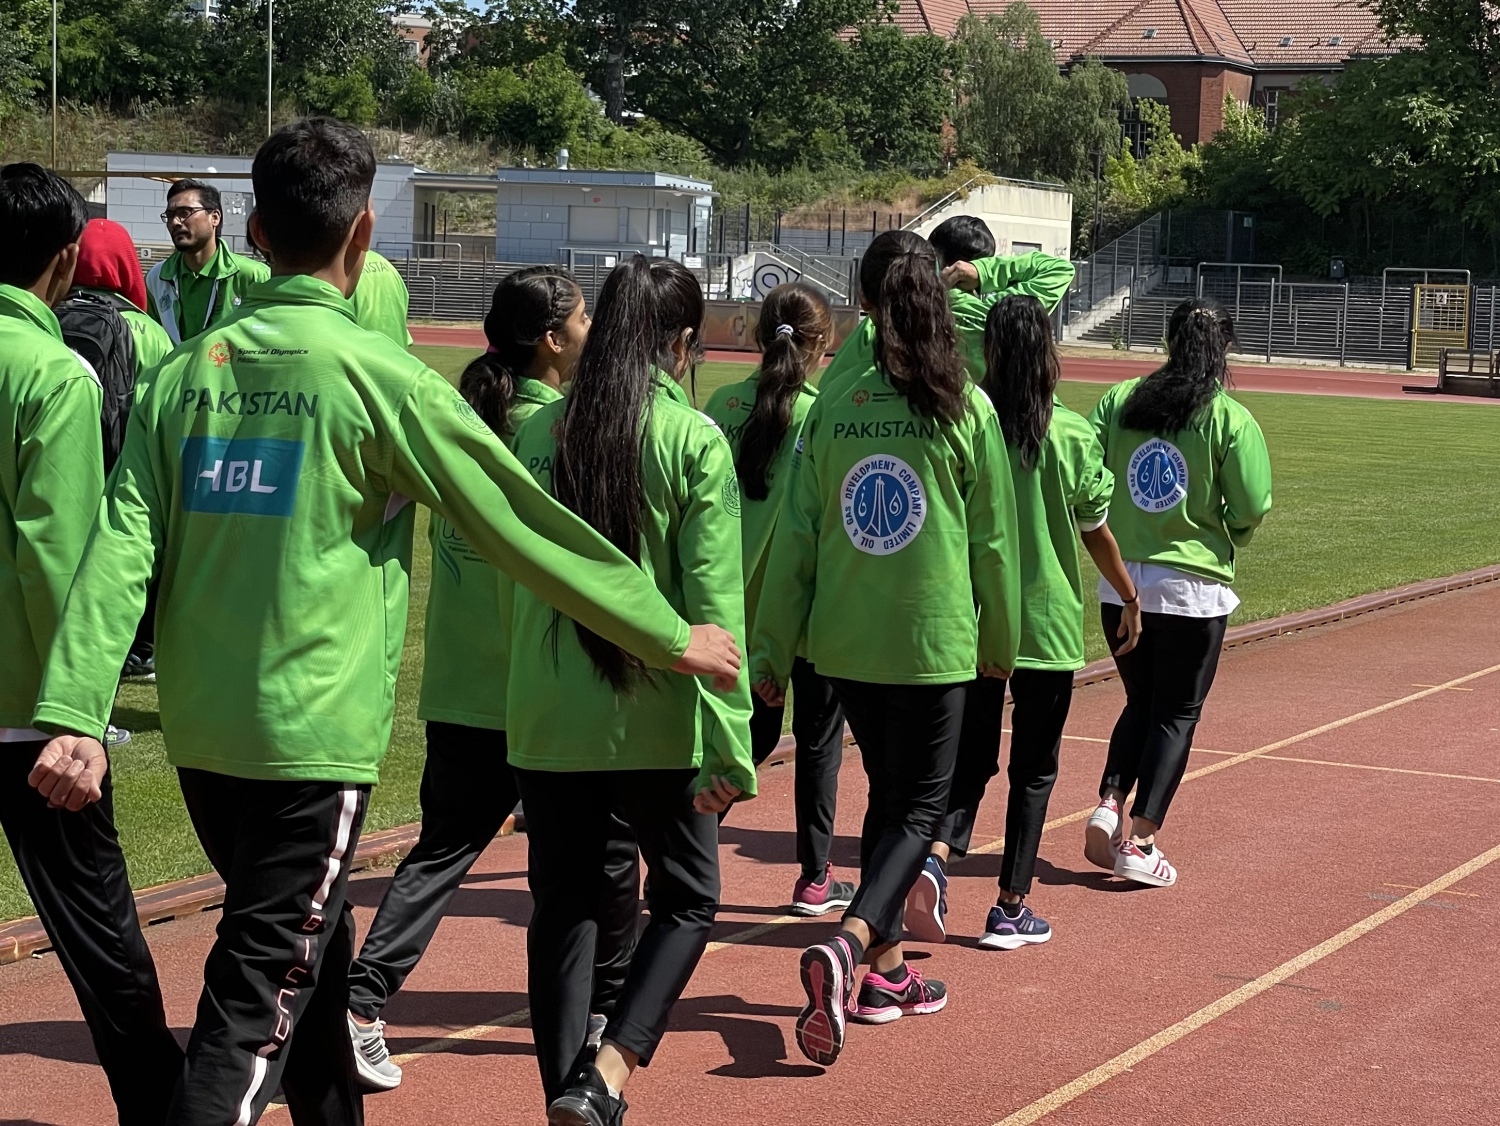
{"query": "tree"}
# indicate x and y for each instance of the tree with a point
(316, 40)
(750, 80)
(1415, 127)
(1018, 114)
(119, 52)
(541, 106)
(896, 96)
(20, 72)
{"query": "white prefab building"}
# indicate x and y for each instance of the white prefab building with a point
(541, 214)
(136, 202)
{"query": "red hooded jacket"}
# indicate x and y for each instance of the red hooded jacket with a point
(107, 260)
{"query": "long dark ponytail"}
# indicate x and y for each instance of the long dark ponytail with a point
(645, 306)
(526, 306)
(1021, 372)
(916, 344)
(1199, 337)
(794, 329)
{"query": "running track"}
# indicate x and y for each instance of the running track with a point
(1327, 957)
(1113, 369)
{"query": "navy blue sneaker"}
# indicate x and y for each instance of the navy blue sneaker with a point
(927, 904)
(1004, 931)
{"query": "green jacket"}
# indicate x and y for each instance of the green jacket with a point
(1040, 275)
(466, 646)
(1068, 483)
(730, 408)
(896, 531)
(381, 301)
(187, 303)
(560, 715)
(267, 479)
(151, 342)
(1186, 500)
(51, 478)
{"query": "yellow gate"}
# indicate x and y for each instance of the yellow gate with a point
(1439, 319)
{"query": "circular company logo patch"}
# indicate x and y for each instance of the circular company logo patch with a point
(1158, 476)
(884, 505)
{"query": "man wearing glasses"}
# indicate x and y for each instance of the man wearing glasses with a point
(203, 280)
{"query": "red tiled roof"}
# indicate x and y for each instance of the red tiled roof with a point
(1249, 33)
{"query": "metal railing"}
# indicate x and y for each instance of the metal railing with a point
(1104, 280)
(1348, 322)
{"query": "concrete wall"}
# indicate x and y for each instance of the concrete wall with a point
(1034, 218)
(137, 202)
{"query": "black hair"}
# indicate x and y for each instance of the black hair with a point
(1021, 372)
(526, 306)
(1199, 337)
(916, 345)
(40, 213)
(794, 330)
(645, 306)
(206, 192)
(963, 238)
(312, 179)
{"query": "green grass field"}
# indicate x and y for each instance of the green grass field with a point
(1369, 494)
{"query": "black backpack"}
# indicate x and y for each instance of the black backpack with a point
(93, 327)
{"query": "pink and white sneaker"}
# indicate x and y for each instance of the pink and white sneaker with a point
(881, 1000)
(828, 979)
(811, 899)
(1103, 834)
(1132, 863)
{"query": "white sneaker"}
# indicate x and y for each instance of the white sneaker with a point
(372, 1059)
(1144, 867)
(1102, 835)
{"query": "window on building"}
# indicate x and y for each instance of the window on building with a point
(1137, 132)
(1270, 98)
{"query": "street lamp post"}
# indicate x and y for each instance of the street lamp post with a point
(270, 52)
(54, 83)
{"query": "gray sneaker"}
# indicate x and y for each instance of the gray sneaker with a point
(372, 1059)
(115, 737)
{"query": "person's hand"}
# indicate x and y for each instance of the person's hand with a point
(717, 796)
(962, 275)
(771, 693)
(70, 771)
(1130, 626)
(995, 672)
(711, 652)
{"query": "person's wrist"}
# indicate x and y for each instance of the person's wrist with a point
(1132, 600)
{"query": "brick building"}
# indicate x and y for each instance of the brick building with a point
(1189, 53)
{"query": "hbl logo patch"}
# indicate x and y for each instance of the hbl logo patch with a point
(240, 476)
(884, 505)
(1157, 475)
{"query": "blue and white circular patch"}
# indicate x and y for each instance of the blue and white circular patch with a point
(1158, 476)
(884, 504)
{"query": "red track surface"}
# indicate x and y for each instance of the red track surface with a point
(1326, 958)
(1112, 369)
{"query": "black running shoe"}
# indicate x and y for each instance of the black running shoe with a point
(140, 662)
(586, 1102)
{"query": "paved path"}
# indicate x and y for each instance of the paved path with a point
(1326, 958)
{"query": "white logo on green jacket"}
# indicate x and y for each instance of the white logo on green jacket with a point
(884, 504)
(1158, 476)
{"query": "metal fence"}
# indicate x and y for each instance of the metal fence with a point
(1341, 322)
